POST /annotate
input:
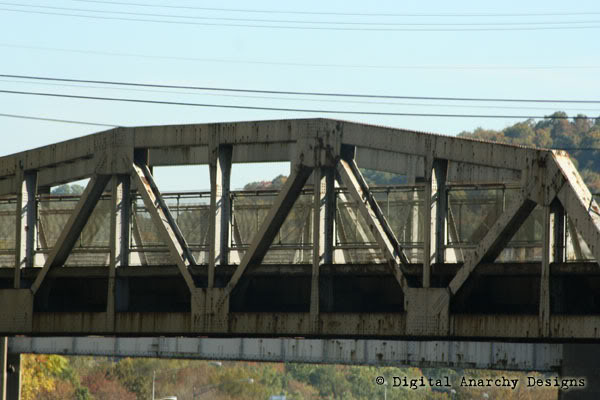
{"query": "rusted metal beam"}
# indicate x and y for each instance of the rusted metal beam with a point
(436, 354)
(150, 189)
(272, 223)
(318, 236)
(72, 230)
(558, 232)
(544, 308)
(580, 205)
(220, 210)
(371, 212)
(3, 366)
(291, 324)
(120, 217)
(164, 222)
(468, 151)
(26, 224)
(440, 172)
(494, 241)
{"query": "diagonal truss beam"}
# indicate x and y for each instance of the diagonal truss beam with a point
(359, 190)
(165, 223)
(582, 209)
(72, 230)
(270, 226)
(492, 244)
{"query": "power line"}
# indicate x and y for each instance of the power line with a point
(263, 11)
(302, 110)
(64, 121)
(298, 93)
(320, 100)
(313, 65)
(527, 27)
(279, 21)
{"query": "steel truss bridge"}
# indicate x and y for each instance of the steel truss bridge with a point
(480, 241)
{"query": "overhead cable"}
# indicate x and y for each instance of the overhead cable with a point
(64, 121)
(314, 22)
(279, 98)
(267, 11)
(525, 27)
(309, 65)
(299, 93)
(299, 110)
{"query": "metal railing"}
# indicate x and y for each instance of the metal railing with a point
(471, 210)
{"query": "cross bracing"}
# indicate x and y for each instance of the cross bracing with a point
(476, 243)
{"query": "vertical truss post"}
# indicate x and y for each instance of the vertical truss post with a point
(220, 210)
(440, 172)
(559, 231)
(74, 226)
(434, 223)
(26, 224)
(322, 237)
(415, 224)
(544, 311)
(328, 208)
(428, 222)
(318, 239)
(120, 215)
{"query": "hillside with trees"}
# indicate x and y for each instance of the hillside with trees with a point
(579, 136)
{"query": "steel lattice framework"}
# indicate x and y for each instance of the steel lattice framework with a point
(327, 154)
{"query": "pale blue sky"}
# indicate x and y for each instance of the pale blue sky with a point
(451, 63)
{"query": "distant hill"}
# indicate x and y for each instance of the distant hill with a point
(580, 137)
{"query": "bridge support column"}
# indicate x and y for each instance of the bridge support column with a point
(3, 365)
(10, 373)
(581, 361)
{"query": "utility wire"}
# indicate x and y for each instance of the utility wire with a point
(64, 121)
(312, 65)
(302, 110)
(526, 27)
(319, 100)
(266, 11)
(279, 21)
(280, 92)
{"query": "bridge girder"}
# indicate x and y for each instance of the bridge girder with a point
(546, 178)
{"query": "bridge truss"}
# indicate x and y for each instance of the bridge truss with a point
(365, 262)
